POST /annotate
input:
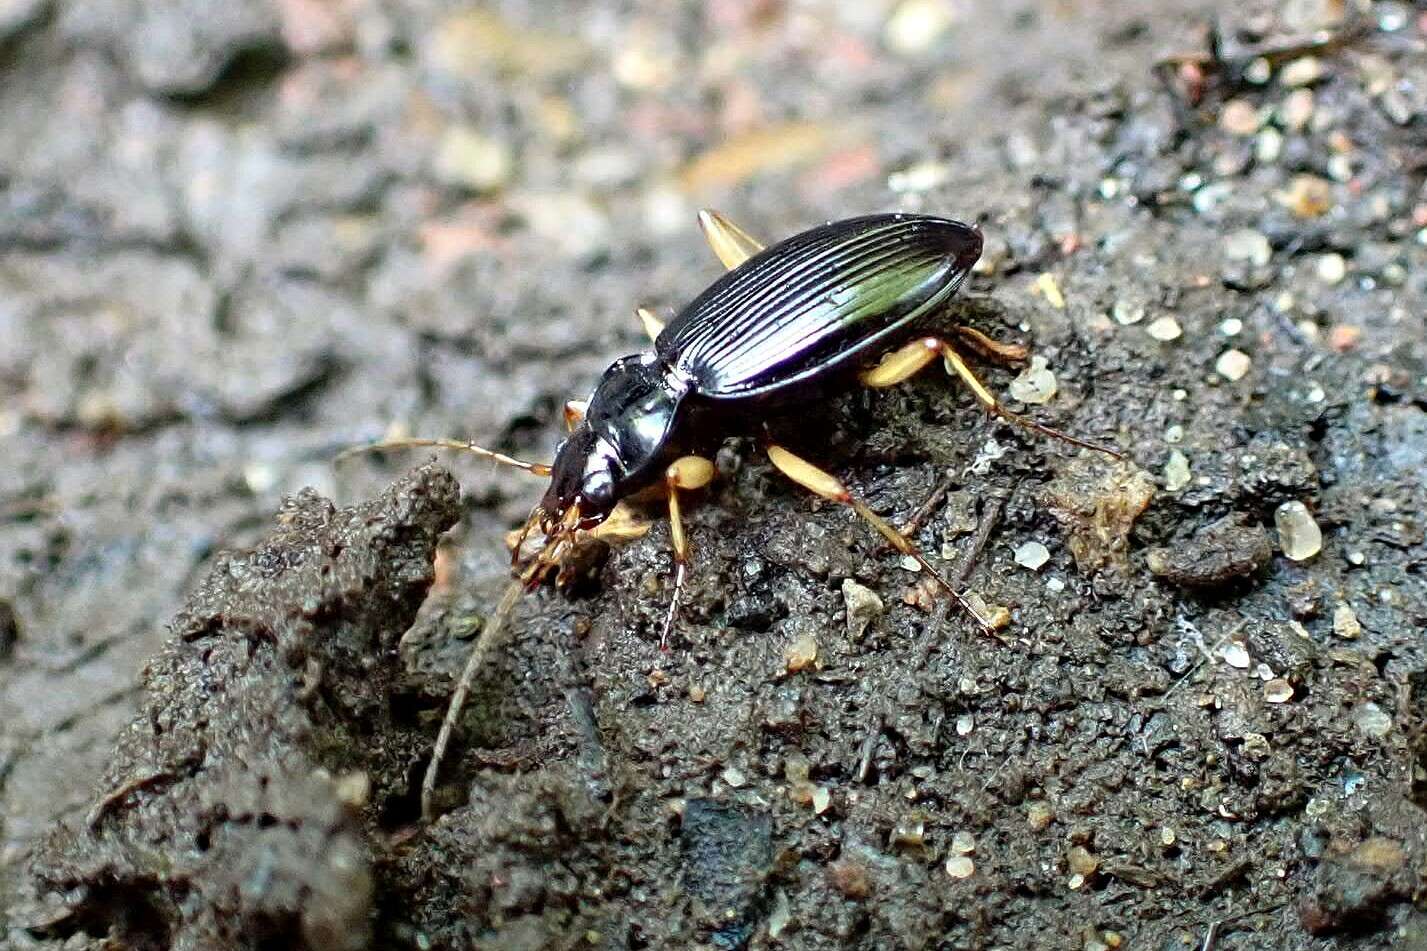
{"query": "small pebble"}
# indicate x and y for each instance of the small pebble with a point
(1239, 117)
(1036, 383)
(1235, 655)
(1039, 816)
(801, 654)
(1233, 364)
(1299, 536)
(1032, 555)
(1049, 289)
(963, 843)
(863, 607)
(1231, 327)
(1128, 312)
(822, 799)
(1332, 268)
(1344, 337)
(916, 25)
(1081, 861)
(1345, 622)
(960, 866)
(734, 777)
(468, 159)
(1307, 196)
(1164, 329)
(965, 724)
(1268, 146)
(697, 693)
(1277, 690)
(1249, 246)
(1372, 721)
(780, 917)
(1176, 471)
(910, 832)
(1297, 109)
(1302, 72)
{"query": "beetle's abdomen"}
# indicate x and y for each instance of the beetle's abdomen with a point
(816, 302)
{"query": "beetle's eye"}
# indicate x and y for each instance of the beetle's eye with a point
(597, 491)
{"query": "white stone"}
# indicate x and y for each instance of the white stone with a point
(1032, 555)
(1299, 536)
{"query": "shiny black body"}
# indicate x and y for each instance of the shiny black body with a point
(772, 330)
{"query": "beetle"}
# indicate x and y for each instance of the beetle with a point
(851, 299)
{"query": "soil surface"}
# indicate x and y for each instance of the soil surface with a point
(238, 237)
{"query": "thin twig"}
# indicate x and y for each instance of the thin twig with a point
(491, 638)
(914, 524)
(990, 514)
(869, 744)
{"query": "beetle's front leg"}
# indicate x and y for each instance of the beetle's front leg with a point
(905, 362)
(684, 474)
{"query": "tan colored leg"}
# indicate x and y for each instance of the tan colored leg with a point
(991, 349)
(683, 474)
(653, 326)
(955, 364)
(730, 243)
(534, 468)
(574, 412)
(902, 363)
(830, 487)
(905, 362)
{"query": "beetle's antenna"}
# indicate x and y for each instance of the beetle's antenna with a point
(534, 468)
(492, 636)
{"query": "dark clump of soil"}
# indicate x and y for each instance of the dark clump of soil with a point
(239, 806)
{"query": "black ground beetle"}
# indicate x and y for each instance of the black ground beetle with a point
(848, 299)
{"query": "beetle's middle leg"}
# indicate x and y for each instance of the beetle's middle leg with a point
(684, 474)
(905, 362)
(832, 488)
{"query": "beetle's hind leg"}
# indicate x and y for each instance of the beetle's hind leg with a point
(684, 474)
(830, 487)
(907, 361)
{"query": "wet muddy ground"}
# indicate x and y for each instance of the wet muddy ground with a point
(237, 237)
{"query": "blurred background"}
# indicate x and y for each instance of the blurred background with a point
(237, 236)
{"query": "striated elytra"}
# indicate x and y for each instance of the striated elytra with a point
(820, 302)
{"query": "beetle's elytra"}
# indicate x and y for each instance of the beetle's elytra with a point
(849, 297)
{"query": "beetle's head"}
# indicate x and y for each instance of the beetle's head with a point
(584, 486)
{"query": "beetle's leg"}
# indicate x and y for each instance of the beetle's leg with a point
(830, 487)
(729, 242)
(956, 365)
(902, 363)
(683, 474)
(653, 326)
(534, 468)
(905, 362)
(575, 412)
(988, 348)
